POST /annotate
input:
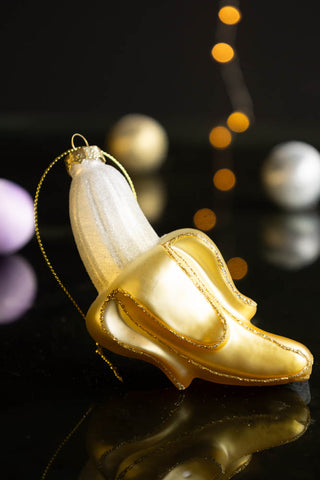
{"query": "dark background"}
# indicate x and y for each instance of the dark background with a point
(95, 61)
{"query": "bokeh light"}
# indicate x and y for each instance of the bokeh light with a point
(204, 219)
(224, 179)
(220, 137)
(238, 268)
(229, 15)
(238, 122)
(222, 52)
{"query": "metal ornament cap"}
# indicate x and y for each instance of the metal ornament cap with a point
(83, 153)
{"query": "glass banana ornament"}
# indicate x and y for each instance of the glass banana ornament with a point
(169, 301)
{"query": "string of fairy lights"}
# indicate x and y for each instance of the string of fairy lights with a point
(236, 122)
(224, 53)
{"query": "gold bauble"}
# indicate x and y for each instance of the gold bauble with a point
(139, 142)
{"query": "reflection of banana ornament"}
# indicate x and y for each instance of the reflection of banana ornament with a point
(208, 432)
(170, 300)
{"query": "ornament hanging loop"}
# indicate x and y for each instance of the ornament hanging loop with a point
(81, 136)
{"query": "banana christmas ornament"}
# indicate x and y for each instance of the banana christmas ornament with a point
(169, 301)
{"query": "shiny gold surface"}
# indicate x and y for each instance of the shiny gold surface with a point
(176, 307)
(208, 432)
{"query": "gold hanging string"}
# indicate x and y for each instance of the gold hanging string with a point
(99, 349)
(64, 441)
(37, 231)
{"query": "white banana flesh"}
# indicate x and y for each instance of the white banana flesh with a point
(109, 227)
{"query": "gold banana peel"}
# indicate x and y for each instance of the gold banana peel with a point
(176, 306)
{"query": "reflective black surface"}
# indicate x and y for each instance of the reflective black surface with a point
(50, 373)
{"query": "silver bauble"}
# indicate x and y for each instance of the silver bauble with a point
(291, 175)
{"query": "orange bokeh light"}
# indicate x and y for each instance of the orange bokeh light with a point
(220, 137)
(204, 219)
(238, 268)
(229, 15)
(238, 122)
(224, 179)
(222, 52)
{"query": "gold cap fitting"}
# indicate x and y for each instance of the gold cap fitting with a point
(83, 153)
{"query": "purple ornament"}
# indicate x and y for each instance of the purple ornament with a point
(16, 217)
(18, 287)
